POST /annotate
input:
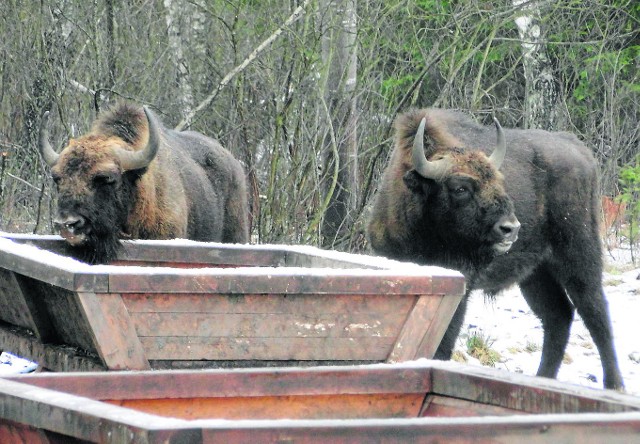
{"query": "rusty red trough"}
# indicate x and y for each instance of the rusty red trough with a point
(418, 402)
(182, 304)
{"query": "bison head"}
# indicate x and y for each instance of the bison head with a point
(96, 176)
(463, 196)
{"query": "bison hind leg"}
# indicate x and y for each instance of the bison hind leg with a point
(236, 217)
(550, 303)
(236, 223)
(589, 300)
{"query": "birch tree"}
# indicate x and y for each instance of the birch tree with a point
(185, 23)
(339, 56)
(541, 89)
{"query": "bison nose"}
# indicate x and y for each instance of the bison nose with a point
(508, 227)
(70, 223)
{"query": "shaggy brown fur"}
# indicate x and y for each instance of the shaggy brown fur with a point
(193, 188)
(549, 179)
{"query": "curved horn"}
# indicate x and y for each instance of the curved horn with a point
(134, 160)
(428, 169)
(48, 153)
(497, 156)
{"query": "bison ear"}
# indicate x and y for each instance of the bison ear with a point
(415, 182)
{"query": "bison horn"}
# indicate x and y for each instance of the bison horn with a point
(497, 157)
(48, 153)
(428, 169)
(134, 160)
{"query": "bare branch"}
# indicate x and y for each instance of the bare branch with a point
(186, 122)
(80, 87)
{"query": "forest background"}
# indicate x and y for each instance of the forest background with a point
(305, 92)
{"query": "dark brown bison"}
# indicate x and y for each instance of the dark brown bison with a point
(457, 210)
(130, 177)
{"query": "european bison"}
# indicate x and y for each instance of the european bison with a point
(457, 210)
(131, 177)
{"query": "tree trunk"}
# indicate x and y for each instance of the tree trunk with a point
(340, 164)
(174, 12)
(541, 95)
(111, 39)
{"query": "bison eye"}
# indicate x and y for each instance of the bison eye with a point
(103, 179)
(461, 192)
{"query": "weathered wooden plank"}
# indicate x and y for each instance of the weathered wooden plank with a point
(512, 391)
(37, 310)
(50, 356)
(450, 284)
(432, 333)
(67, 324)
(585, 430)
(112, 331)
(244, 383)
(208, 254)
(317, 260)
(183, 265)
(336, 406)
(185, 364)
(218, 253)
(15, 433)
(32, 268)
(306, 256)
(85, 419)
(273, 281)
(410, 337)
(15, 309)
(415, 341)
(248, 255)
(51, 242)
(441, 406)
(229, 348)
(267, 303)
(269, 325)
(65, 273)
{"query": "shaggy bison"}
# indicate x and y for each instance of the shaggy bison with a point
(130, 177)
(444, 201)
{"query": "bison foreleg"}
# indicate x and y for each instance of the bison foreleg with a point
(550, 303)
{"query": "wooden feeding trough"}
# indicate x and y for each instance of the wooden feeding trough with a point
(419, 402)
(181, 304)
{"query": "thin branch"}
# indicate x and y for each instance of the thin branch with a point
(24, 182)
(39, 207)
(186, 122)
(334, 178)
(80, 87)
(578, 43)
(380, 148)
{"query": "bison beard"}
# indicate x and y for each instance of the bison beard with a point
(97, 250)
(451, 215)
(103, 243)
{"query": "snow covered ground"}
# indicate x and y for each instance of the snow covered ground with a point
(10, 364)
(516, 334)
